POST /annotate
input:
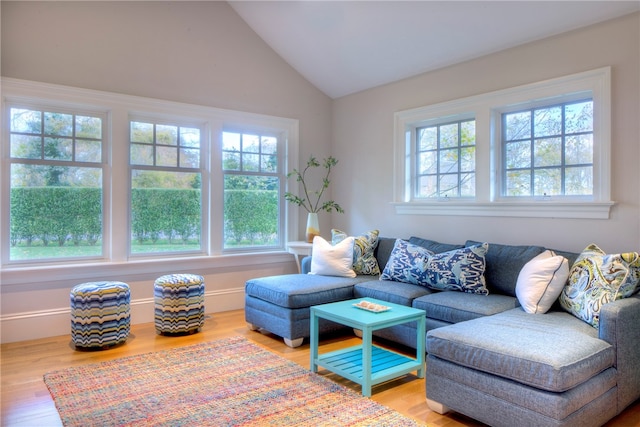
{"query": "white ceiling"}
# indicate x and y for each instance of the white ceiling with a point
(343, 47)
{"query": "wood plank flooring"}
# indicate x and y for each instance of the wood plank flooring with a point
(27, 402)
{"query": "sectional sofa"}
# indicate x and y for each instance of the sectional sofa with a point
(516, 335)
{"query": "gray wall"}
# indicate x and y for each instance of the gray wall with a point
(363, 139)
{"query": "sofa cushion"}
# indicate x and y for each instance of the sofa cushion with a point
(407, 263)
(433, 246)
(553, 352)
(332, 260)
(364, 246)
(386, 290)
(454, 307)
(540, 282)
(597, 278)
(458, 270)
(504, 263)
(302, 290)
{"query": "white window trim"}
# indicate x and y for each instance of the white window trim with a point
(487, 109)
(119, 108)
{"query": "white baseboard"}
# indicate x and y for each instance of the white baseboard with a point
(50, 323)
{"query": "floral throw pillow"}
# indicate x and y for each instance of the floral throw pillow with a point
(458, 270)
(407, 263)
(364, 260)
(597, 278)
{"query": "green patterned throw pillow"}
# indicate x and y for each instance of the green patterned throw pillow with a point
(364, 260)
(597, 278)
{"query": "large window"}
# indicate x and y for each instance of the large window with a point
(252, 182)
(166, 183)
(56, 171)
(93, 177)
(446, 155)
(548, 151)
(540, 150)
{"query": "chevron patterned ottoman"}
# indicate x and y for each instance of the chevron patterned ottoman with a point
(100, 314)
(179, 303)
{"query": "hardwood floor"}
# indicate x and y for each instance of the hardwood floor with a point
(26, 400)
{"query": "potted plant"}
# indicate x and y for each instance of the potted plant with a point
(311, 201)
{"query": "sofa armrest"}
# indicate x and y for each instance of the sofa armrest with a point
(619, 322)
(305, 265)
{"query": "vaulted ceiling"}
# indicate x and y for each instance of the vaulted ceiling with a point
(343, 47)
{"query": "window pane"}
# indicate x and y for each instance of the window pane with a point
(468, 185)
(579, 117)
(269, 163)
(166, 135)
(448, 161)
(166, 156)
(142, 132)
(428, 138)
(190, 137)
(448, 185)
(428, 186)
(548, 182)
(58, 124)
(428, 162)
(548, 152)
(26, 121)
(579, 181)
(55, 212)
(189, 158)
(468, 159)
(579, 149)
(517, 126)
(141, 154)
(88, 127)
(449, 135)
(231, 161)
(89, 151)
(251, 211)
(518, 154)
(547, 122)
(26, 147)
(230, 141)
(250, 143)
(518, 183)
(165, 211)
(58, 149)
(250, 162)
(468, 133)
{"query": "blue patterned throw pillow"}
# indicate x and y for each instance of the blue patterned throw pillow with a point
(597, 278)
(364, 260)
(458, 270)
(407, 263)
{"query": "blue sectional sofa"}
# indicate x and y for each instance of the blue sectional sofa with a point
(486, 357)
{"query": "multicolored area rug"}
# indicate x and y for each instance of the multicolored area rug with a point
(230, 382)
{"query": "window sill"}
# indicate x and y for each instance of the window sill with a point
(84, 272)
(540, 209)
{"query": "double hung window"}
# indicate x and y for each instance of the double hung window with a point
(166, 187)
(56, 162)
(252, 183)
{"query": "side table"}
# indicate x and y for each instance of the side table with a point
(367, 364)
(299, 249)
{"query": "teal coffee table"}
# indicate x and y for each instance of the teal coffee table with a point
(367, 364)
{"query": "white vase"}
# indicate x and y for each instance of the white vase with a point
(313, 228)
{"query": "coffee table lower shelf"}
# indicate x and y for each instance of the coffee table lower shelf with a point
(385, 364)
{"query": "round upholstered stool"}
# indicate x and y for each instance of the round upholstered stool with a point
(179, 303)
(100, 314)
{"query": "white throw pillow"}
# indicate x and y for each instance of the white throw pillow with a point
(540, 282)
(330, 260)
